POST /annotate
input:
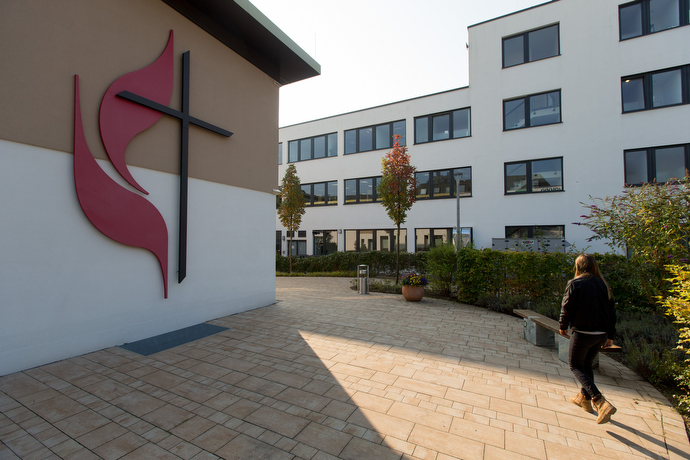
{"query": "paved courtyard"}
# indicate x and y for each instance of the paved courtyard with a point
(327, 373)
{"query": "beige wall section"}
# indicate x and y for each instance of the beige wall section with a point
(46, 42)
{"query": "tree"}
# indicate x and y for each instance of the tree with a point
(651, 221)
(291, 208)
(397, 190)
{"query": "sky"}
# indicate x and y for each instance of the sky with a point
(374, 52)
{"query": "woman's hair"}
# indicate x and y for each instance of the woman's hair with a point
(586, 266)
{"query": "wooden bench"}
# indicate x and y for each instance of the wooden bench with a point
(543, 331)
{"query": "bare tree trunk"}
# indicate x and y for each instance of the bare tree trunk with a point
(397, 257)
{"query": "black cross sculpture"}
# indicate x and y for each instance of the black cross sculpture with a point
(186, 120)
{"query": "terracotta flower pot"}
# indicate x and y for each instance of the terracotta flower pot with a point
(413, 293)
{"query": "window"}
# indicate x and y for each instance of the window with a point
(427, 238)
(279, 244)
(280, 153)
(325, 242)
(442, 126)
(534, 176)
(535, 231)
(531, 46)
(374, 240)
(375, 137)
(649, 16)
(656, 164)
(313, 148)
(534, 110)
(442, 183)
(320, 193)
(361, 190)
(651, 90)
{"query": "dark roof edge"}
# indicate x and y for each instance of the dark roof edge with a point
(243, 28)
(514, 12)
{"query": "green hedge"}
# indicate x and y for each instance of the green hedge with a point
(380, 263)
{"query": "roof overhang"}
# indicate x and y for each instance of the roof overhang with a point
(247, 31)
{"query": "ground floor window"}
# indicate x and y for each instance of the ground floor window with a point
(279, 245)
(427, 238)
(535, 231)
(325, 242)
(298, 248)
(375, 240)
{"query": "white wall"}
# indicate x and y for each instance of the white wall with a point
(591, 138)
(67, 289)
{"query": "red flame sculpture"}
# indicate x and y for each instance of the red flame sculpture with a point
(118, 213)
(120, 120)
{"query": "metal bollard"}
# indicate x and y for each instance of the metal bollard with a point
(363, 279)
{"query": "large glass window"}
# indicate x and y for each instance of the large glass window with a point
(375, 137)
(644, 17)
(651, 90)
(325, 242)
(534, 110)
(375, 240)
(531, 46)
(313, 148)
(442, 126)
(442, 183)
(427, 238)
(362, 190)
(535, 176)
(320, 193)
(656, 164)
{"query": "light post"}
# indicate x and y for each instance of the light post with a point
(458, 178)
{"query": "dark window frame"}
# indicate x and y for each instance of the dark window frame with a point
(309, 202)
(322, 250)
(430, 128)
(648, 88)
(645, 14)
(527, 104)
(528, 176)
(525, 45)
(374, 144)
(453, 184)
(299, 143)
(651, 163)
(375, 199)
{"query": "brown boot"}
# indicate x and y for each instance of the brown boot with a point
(580, 400)
(604, 408)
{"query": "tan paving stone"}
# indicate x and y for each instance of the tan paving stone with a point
(436, 380)
(447, 443)
(278, 421)
(421, 415)
(478, 432)
(243, 447)
(324, 438)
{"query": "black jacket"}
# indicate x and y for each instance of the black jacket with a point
(586, 307)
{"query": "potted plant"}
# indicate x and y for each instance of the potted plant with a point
(413, 287)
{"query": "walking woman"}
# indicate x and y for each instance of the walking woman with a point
(588, 310)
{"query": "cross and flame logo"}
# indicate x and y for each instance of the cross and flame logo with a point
(132, 104)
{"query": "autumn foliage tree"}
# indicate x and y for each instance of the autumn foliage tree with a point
(397, 190)
(291, 208)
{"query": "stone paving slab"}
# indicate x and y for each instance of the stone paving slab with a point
(327, 373)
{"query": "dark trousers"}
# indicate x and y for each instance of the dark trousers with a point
(581, 353)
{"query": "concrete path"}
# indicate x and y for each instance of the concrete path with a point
(327, 373)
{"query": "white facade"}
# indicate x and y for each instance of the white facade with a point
(590, 139)
(73, 290)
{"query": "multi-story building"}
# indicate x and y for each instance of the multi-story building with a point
(566, 100)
